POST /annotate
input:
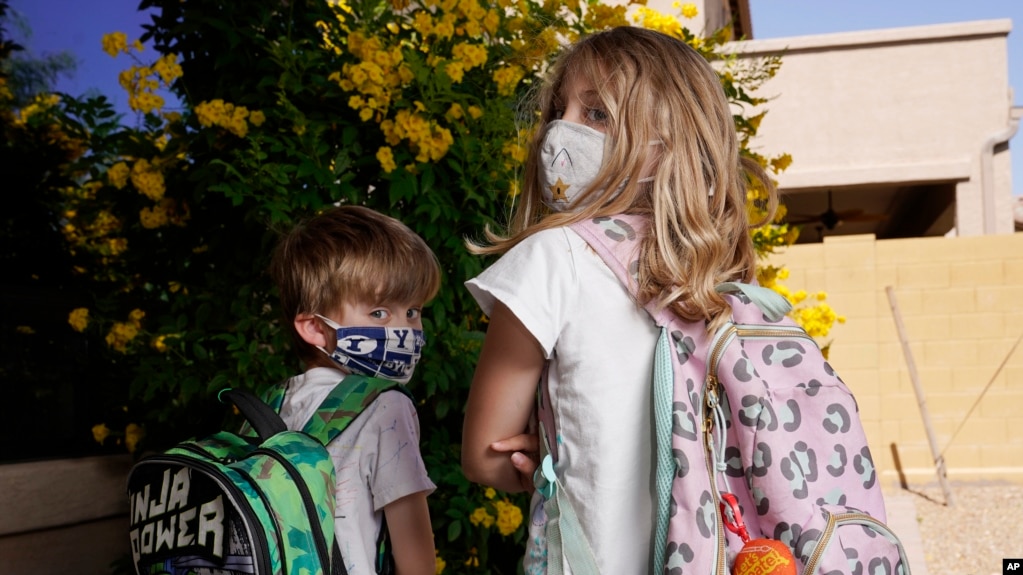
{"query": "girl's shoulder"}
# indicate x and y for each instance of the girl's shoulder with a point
(552, 238)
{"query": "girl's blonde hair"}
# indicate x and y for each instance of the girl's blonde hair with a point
(657, 90)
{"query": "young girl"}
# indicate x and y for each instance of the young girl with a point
(631, 121)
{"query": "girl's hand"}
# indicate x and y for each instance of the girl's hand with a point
(524, 454)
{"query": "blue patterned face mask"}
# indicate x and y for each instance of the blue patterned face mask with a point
(377, 351)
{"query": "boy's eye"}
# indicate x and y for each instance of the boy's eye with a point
(379, 314)
(413, 313)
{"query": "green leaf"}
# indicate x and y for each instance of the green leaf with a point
(454, 530)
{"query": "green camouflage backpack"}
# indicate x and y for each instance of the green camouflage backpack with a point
(257, 503)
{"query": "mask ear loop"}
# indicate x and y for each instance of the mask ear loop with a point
(335, 326)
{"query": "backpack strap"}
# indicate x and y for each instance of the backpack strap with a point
(565, 537)
(616, 240)
(342, 405)
(345, 402)
(605, 235)
(772, 303)
(336, 412)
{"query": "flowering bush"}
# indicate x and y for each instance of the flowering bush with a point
(287, 108)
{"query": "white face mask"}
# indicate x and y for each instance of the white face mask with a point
(571, 157)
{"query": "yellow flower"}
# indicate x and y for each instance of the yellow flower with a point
(798, 297)
(507, 78)
(132, 435)
(159, 343)
(148, 180)
(689, 10)
(490, 493)
(480, 516)
(439, 563)
(256, 118)
(79, 319)
(509, 517)
(100, 432)
(115, 43)
(386, 158)
(120, 335)
(153, 218)
(168, 68)
(780, 163)
(118, 175)
(25, 329)
(136, 316)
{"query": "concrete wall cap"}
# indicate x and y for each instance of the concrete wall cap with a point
(854, 40)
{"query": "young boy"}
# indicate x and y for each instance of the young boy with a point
(349, 272)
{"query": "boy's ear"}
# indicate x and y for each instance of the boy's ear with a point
(310, 329)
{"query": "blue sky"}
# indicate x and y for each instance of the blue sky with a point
(78, 25)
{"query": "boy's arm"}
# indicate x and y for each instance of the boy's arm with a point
(408, 523)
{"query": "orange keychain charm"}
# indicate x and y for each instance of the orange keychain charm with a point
(757, 556)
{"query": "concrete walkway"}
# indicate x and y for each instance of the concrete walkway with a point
(902, 519)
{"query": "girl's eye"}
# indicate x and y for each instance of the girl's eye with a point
(413, 313)
(379, 314)
(596, 115)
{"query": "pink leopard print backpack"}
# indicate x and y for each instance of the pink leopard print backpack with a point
(752, 425)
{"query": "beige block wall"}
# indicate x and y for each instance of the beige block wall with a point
(961, 304)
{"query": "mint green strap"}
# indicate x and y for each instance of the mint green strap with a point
(663, 394)
(565, 537)
(772, 303)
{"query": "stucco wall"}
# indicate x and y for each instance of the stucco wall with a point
(961, 302)
(897, 106)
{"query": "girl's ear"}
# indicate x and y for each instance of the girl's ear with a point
(310, 329)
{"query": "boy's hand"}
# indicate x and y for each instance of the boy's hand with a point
(524, 454)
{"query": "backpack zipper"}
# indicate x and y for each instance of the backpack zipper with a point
(258, 539)
(719, 562)
(711, 399)
(310, 507)
(724, 337)
(855, 518)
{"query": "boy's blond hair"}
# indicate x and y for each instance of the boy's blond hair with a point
(350, 254)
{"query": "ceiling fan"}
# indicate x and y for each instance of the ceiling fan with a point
(830, 219)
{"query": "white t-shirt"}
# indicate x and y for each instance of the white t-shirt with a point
(601, 346)
(376, 460)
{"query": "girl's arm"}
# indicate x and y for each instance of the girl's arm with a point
(501, 399)
(408, 523)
